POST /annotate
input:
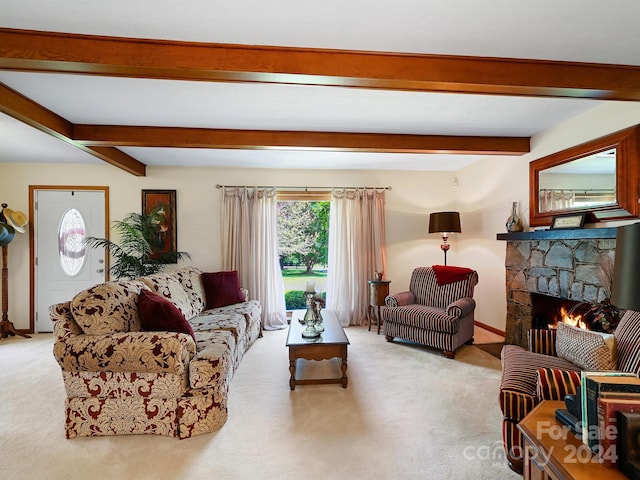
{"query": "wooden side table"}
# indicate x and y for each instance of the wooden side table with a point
(552, 451)
(378, 290)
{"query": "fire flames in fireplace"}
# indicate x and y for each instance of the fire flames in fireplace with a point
(575, 320)
(548, 311)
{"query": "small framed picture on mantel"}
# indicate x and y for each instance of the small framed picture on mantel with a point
(568, 221)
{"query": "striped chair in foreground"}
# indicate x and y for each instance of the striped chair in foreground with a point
(436, 311)
(531, 376)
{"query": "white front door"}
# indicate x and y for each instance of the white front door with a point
(63, 265)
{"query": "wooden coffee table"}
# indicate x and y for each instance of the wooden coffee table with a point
(330, 344)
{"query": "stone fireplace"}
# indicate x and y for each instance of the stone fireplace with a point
(567, 264)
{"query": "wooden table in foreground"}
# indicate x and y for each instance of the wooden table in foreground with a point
(330, 344)
(552, 451)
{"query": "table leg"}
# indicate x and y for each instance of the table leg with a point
(292, 370)
(379, 320)
(343, 368)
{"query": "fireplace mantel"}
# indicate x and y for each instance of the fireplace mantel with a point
(575, 234)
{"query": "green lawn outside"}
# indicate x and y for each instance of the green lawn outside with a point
(296, 279)
(295, 282)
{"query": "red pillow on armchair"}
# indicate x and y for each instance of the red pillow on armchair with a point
(222, 289)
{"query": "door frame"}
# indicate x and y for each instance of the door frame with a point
(32, 238)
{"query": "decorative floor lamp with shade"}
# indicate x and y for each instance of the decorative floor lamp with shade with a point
(445, 223)
(625, 289)
(10, 222)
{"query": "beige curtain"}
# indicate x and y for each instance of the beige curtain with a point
(552, 200)
(250, 246)
(357, 249)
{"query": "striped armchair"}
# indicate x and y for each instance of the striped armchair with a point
(529, 377)
(436, 311)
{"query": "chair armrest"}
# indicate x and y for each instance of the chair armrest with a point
(555, 384)
(461, 307)
(542, 341)
(149, 352)
(400, 299)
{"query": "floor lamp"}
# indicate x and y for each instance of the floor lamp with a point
(445, 223)
(10, 222)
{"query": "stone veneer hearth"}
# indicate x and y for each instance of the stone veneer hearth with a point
(557, 263)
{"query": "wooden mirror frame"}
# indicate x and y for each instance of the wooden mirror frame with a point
(627, 143)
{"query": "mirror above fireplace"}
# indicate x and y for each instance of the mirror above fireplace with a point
(586, 182)
(600, 177)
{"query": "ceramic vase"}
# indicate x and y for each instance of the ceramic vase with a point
(514, 224)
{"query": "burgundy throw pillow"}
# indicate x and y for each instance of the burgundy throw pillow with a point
(159, 314)
(222, 289)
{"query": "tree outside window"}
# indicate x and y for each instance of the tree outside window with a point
(303, 237)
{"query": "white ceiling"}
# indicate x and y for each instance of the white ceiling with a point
(578, 30)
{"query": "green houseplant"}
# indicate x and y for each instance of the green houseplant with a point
(135, 256)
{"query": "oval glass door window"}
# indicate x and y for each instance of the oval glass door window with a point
(71, 249)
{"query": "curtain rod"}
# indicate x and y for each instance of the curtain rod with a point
(281, 187)
(605, 190)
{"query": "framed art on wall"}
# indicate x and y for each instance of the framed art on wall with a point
(162, 204)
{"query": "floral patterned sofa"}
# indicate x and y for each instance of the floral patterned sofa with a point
(121, 379)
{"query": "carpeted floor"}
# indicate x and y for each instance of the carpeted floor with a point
(408, 413)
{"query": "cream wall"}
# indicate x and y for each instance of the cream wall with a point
(488, 188)
(484, 196)
(413, 195)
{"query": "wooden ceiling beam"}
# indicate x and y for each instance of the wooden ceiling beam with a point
(139, 136)
(37, 51)
(119, 159)
(27, 111)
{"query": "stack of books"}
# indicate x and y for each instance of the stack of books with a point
(610, 399)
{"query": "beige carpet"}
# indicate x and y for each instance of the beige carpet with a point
(408, 413)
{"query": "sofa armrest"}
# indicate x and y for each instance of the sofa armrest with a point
(461, 307)
(400, 299)
(212, 365)
(542, 341)
(555, 384)
(64, 326)
(149, 352)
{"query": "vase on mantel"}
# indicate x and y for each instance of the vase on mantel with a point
(514, 224)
